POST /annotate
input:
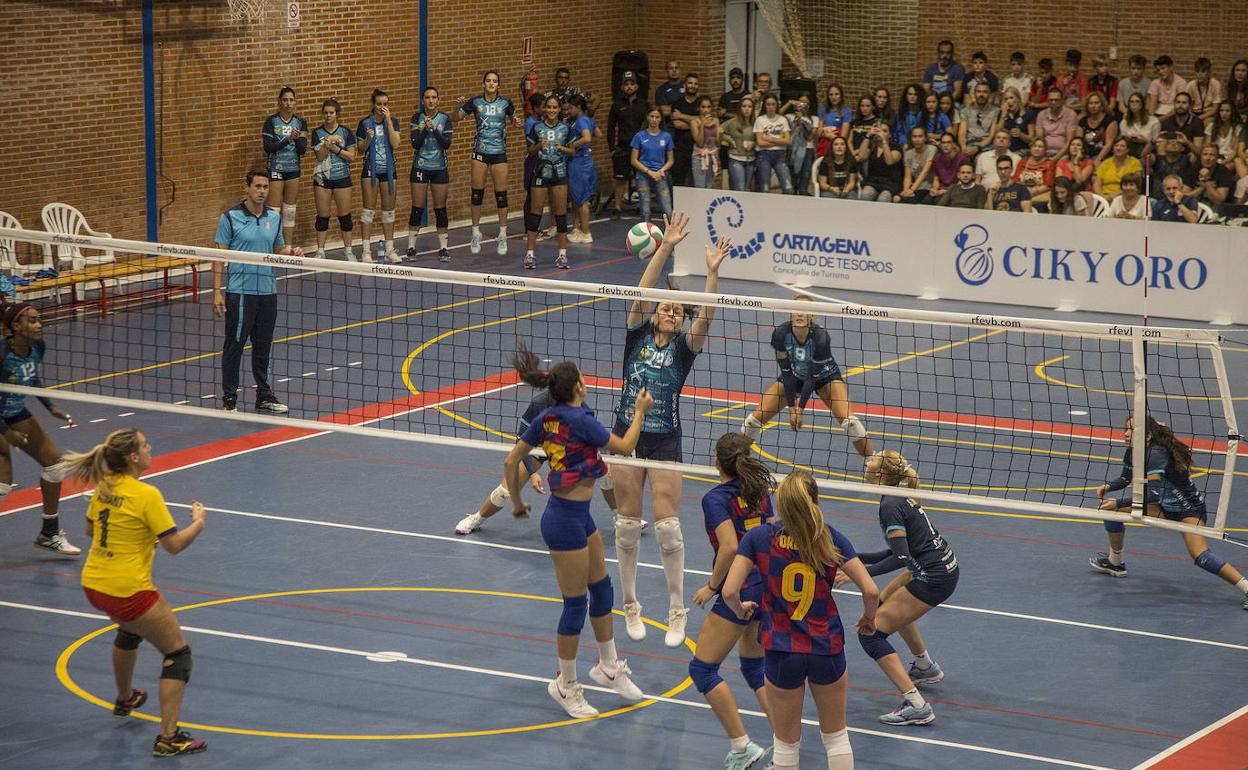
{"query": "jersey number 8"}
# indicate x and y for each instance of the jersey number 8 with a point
(804, 596)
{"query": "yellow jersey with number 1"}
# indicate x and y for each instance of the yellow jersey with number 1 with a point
(127, 522)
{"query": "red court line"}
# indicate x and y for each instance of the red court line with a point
(1220, 746)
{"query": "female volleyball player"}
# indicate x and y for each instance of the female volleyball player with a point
(801, 632)
(738, 504)
(21, 352)
(378, 137)
(334, 145)
(549, 140)
(658, 357)
(285, 136)
(571, 436)
(540, 402)
(492, 111)
(1170, 494)
(930, 578)
(582, 175)
(431, 138)
(125, 520)
(804, 353)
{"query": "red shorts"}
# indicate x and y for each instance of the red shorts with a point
(122, 609)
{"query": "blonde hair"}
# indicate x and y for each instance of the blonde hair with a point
(96, 466)
(896, 471)
(803, 522)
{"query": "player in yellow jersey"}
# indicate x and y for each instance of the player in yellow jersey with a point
(125, 520)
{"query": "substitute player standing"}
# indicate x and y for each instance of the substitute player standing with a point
(492, 112)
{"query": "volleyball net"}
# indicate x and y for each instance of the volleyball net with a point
(993, 411)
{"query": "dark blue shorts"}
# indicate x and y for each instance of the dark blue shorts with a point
(836, 375)
(790, 670)
(1196, 513)
(566, 524)
(934, 592)
(654, 446)
(21, 416)
(549, 181)
(490, 159)
(430, 176)
(380, 176)
(331, 184)
(749, 593)
(284, 176)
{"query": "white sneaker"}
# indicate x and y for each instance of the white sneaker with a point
(57, 543)
(502, 244)
(633, 626)
(585, 237)
(320, 254)
(575, 236)
(474, 245)
(676, 620)
(469, 524)
(393, 257)
(617, 680)
(572, 698)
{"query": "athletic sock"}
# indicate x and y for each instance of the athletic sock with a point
(563, 253)
(411, 239)
(738, 744)
(606, 653)
(914, 698)
(567, 670)
(1115, 557)
(476, 231)
(442, 239)
(1242, 585)
(51, 525)
(389, 245)
(530, 253)
(923, 661)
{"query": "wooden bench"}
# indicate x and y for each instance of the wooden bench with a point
(78, 282)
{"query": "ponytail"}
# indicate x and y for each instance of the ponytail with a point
(732, 452)
(104, 460)
(896, 471)
(803, 521)
(561, 380)
(1162, 435)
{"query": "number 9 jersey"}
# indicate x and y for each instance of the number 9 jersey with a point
(126, 523)
(798, 611)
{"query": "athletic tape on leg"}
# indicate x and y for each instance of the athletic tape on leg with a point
(288, 214)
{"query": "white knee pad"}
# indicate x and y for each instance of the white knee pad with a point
(55, 473)
(854, 428)
(387, 216)
(785, 754)
(606, 483)
(499, 496)
(627, 534)
(838, 748)
(288, 215)
(366, 216)
(5, 489)
(752, 427)
(667, 532)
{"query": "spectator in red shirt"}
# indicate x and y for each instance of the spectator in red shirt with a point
(1103, 82)
(1074, 84)
(1038, 98)
(1076, 166)
(1035, 172)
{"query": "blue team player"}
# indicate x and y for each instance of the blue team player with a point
(549, 141)
(492, 112)
(377, 137)
(571, 438)
(334, 145)
(801, 633)
(804, 352)
(1171, 494)
(651, 154)
(738, 504)
(658, 356)
(432, 132)
(22, 350)
(285, 137)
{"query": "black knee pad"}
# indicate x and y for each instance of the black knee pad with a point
(345, 224)
(322, 224)
(532, 222)
(561, 223)
(127, 641)
(478, 195)
(413, 219)
(177, 665)
(440, 218)
(500, 199)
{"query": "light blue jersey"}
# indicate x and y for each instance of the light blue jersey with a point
(551, 162)
(379, 157)
(431, 144)
(660, 370)
(336, 167)
(20, 370)
(283, 151)
(491, 117)
(240, 230)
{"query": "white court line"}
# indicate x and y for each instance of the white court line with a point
(1201, 733)
(544, 679)
(542, 552)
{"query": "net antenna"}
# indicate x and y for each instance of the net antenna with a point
(246, 11)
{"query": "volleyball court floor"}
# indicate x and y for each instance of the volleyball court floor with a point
(337, 621)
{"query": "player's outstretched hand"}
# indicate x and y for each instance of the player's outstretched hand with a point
(675, 228)
(715, 255)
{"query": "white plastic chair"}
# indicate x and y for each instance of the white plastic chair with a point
(64, 219)
(814, 176)
(1205, 215)
(1100, 205)
(8, 246)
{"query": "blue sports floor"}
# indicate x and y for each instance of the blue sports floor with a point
(337, 621)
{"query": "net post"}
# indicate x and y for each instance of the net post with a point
(1232, 437)
(1139, 413)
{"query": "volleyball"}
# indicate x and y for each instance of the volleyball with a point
(643, 239)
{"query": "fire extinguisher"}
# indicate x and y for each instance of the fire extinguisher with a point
(528, 87)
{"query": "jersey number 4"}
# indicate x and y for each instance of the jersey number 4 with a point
(805, 595)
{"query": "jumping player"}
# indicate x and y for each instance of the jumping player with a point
(493, 112)
(432, 131)
(377, 136)
(285, 136)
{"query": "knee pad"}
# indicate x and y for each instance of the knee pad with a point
(854, 428)
(876, 645)
(500, 199)
(322, 224)
(413, 219)
(127, 641)
(572, 620)
(5, 489)
(477, 195)
(345, 224)
(366, 216)
(606, 483)
(532, 222)
(499, 496)
(1115, 527)
(1210, 562)
(753, 671)
(55, 473)
(785, 754)
(667, 532)
(177, 665)
(705, 676)
(387, 216)
(627, 534)
(836, 744)
(601, 598)
(440, 218)
(288, 215)
(561, 223)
